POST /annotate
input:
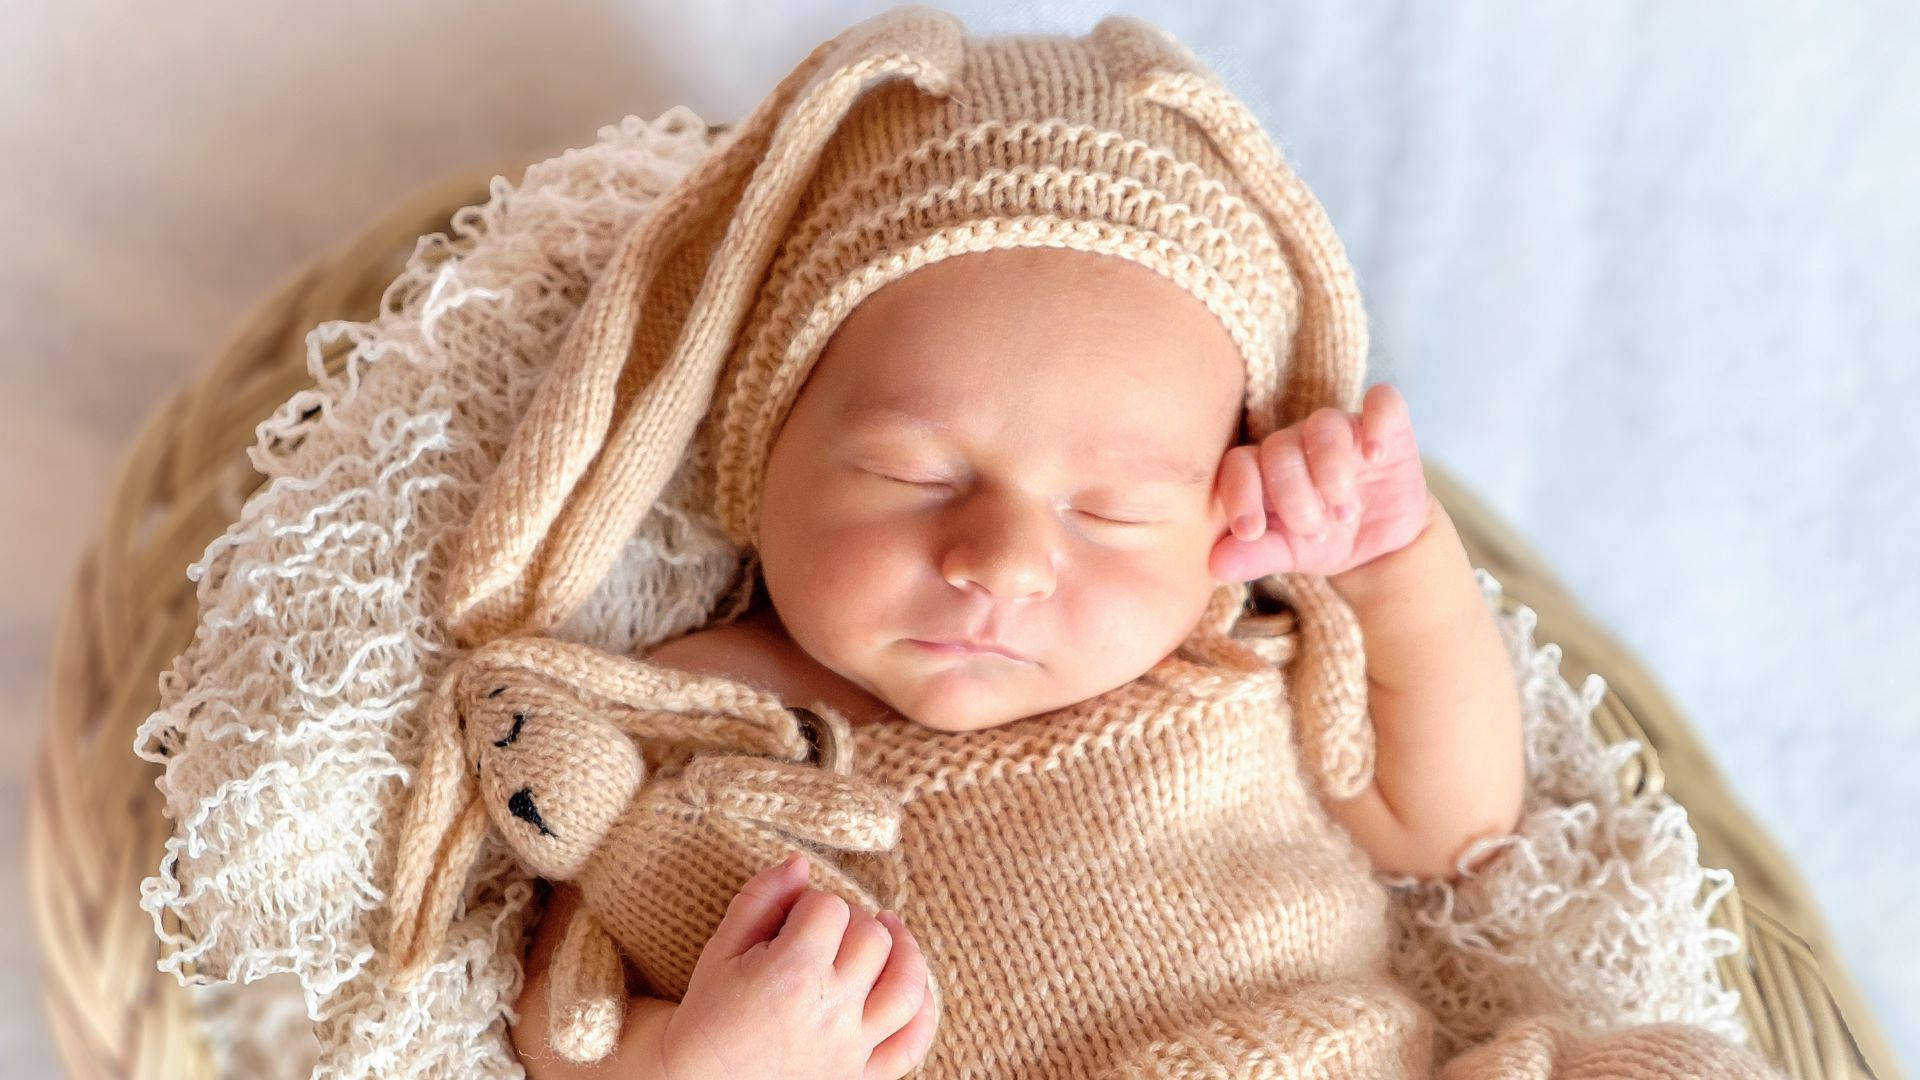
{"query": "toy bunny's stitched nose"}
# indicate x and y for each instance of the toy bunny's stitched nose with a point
(521, 805)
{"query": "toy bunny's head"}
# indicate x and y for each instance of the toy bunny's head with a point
(552, 775)
(517, 750)
(538, 740)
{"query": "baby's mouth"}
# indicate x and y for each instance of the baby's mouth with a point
(966, 648)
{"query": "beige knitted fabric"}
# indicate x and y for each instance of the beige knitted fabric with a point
(1139, 885)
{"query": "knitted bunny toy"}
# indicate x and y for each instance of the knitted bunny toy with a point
(541, 742)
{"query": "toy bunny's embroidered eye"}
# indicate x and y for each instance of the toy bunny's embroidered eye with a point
(521, 804)
(496, 691)
(519, 719)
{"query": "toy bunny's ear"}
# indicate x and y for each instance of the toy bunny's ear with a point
(438, 840)
(1326, 361)
(612, 419)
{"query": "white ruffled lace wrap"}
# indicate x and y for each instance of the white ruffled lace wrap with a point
(288, 727)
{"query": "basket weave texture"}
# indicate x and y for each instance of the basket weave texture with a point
(95, 825)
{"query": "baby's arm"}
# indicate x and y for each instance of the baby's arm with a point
(1345, 496)
(1449, 767)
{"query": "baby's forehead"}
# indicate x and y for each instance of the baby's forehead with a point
(997, 347)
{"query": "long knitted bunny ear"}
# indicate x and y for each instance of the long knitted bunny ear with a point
(612, 419)
(437, 842)
(1325, 365)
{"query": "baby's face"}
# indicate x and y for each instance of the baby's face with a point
(1018, 446)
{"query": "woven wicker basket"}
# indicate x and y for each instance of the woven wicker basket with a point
(95, 828)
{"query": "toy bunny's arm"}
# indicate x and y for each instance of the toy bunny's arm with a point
(588, 995)
(538, 1036)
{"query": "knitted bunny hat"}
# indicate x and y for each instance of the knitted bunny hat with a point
(846, 177)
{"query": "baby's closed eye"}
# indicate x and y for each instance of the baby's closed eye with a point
(1105, 512)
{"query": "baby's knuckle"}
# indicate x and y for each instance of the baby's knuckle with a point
(780, 975)
(865, 929)
(1280, 457)
(911, 995)
(818, 902)
(1327, 430)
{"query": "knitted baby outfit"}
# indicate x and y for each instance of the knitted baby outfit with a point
(1142, 884)
(1139, 885)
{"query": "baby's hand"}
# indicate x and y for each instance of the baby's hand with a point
(1322, 496)
(836, 995)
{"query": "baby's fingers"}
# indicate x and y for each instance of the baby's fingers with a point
(905, 1049)
(901, 988)
(1384, 420)
(756, 912)
(1240, 495)
(901, 1003)
(1327, 436)
(1287, 483)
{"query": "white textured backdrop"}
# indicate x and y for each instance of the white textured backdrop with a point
(1646, 272)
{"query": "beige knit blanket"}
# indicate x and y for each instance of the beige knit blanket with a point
(289, 728)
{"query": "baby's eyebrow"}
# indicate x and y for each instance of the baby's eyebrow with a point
(1138, 464)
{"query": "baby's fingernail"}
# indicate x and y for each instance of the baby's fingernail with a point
(1246, 526)
(1372, 450)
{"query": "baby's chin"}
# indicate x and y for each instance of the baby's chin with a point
(975, 693)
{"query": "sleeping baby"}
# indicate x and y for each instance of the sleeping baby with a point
(1009, 485)
(1097, 641)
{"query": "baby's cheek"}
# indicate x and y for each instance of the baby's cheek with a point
(1142, 599)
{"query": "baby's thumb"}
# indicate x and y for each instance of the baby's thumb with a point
(759, 909)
